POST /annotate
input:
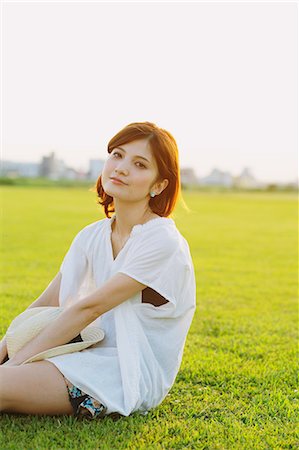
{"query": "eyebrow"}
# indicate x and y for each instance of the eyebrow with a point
(136, 156)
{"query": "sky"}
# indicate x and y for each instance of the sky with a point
(222, 77)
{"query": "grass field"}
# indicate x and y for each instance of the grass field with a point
(238, 384)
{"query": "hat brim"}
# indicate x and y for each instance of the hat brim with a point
(32, 321)
(62, 350)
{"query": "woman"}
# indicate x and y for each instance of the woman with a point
(132, 275)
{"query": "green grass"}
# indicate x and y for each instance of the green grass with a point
(237, 386)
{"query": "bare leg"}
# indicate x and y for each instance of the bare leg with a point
(34, 388)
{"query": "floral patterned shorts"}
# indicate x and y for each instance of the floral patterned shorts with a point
(84, 405)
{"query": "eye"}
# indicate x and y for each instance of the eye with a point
(138, 162)
(141, 164)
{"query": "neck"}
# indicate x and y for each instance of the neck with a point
(128, 215)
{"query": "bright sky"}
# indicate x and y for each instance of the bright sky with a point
(221, 77)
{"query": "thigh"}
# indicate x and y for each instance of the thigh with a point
(34, 388)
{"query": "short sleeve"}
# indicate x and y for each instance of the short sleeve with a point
(152, 261)
(73, 269)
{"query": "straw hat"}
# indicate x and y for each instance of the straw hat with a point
(33, 320)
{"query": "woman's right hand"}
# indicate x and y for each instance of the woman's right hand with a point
(50, 297)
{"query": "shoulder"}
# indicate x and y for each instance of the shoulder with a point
(88, 232)
(156, 235)
(174, 243)
(94, 226)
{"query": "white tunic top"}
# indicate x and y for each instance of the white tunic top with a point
(135, 365)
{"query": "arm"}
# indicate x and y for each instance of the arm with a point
(73, 319)
(50, 297)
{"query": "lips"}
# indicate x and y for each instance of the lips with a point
(117, 179)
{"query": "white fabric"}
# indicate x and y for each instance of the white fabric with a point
(136, 364)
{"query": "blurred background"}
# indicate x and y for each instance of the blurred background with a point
(220, 76)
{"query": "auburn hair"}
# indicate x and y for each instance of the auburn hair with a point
(165, 151)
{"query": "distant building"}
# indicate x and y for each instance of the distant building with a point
(188, 177)
(52, 168)
(95, 168)
(70, 174)
(55, 169)
(217, 178)
(12, 169)
(246, 180)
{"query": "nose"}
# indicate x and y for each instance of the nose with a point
(121, 168)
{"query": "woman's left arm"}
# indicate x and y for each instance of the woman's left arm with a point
(75, 318)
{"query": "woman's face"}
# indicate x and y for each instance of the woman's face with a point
(134, 164)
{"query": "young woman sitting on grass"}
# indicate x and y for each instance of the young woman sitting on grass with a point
(131, 274)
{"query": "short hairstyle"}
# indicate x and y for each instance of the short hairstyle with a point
(165, 151)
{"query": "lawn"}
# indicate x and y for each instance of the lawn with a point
(237, 387)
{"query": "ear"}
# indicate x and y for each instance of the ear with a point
(160, 186)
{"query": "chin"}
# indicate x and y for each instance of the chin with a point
(111, 192)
